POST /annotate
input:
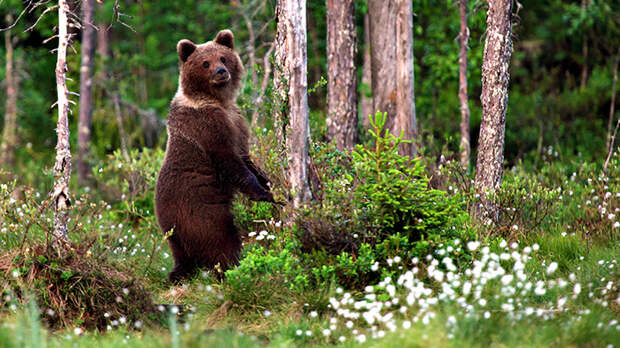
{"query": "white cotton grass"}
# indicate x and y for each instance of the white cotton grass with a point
(497, 284)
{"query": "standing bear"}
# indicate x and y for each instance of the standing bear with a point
(206, 159)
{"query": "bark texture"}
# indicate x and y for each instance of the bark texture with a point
(341, 74)
(463, 41)
(103, 41)
(391, 51)
(292, 86)
(382, 15)
(494, 98)
(62, 168)
(86, 82)
(405, 122)
(9, 133)
(366, 102)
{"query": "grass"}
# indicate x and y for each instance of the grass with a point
(554, 284)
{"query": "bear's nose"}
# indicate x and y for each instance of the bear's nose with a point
(221, 71)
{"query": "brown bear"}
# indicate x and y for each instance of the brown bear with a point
(206, 159)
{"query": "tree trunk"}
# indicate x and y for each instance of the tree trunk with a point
(366, 102)
(62, 168)
(9, 136)
(341, 74)
(86, 82)
(584, 50)
(382, 15)
(612, 106)
(494, 98)
(143, 95)
(405, 122)
(391, 51)
(292, 89)
(463, 40)
(121, 125)
(103, 42)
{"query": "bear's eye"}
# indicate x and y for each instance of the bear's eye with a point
(223, 60)
(206, 64)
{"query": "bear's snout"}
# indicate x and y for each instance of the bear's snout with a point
(221, 75)
(221, 71)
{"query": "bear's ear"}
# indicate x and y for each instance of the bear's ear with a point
(225, 38)
(185, 48)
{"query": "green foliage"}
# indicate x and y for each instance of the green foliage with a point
(131, 179)
(374, 193)
(373, 204)
(394, 192)
(266, 275)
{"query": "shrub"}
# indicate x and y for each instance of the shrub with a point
(372, 205)
(371, 194)
(268, 274)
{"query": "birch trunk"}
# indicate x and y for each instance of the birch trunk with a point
(463, 40)
(292, 87)
(494, 98)
(405, 122)
(86, 82)
(62, 168)
(9, 133)
(366, 102)
(341, 74)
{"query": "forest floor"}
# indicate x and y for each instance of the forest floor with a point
(556, 284)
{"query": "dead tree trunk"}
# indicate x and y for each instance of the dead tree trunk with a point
(405, 122)
(494, 98)
(9, 133)
(62, 168)
(366, 102)
(391, 51)
(86, 82)
(612, 106)
(292, 87)
(382, 15)
(341, 74)
(463, 40)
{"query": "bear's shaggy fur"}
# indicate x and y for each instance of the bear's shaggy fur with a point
(206, 159)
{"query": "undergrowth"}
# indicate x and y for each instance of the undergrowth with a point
(385, 254)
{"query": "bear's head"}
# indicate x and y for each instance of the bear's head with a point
(211, 70)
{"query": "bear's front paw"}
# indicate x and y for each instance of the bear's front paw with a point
(265, 196)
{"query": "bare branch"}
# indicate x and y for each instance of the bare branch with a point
(11, 26)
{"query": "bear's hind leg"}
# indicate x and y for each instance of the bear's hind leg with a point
(184, 266)
(230, 245)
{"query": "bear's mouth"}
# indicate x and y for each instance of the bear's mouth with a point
(220, 81)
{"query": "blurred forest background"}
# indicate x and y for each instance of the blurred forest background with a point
(561, 74)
